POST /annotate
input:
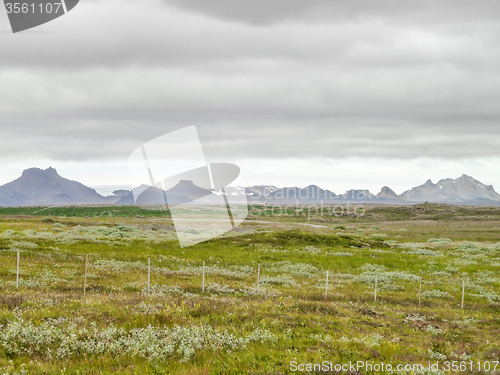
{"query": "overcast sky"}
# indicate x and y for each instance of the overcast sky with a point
(343, 94)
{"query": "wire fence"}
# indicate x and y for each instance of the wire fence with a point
(257, 274)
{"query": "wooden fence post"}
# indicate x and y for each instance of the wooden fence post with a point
(203, 281)
(420, 292)
(85, 274)
(149, 273)
(463, 292)
(17, 272)
(326, 287)
(258, 277)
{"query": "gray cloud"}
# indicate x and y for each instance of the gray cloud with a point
(261, 79)
(268, 12)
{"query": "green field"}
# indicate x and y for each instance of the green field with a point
(49, 326)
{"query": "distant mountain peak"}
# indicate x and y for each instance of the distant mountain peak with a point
(462, 189)
(387, 193)
(429, 182)
(38, 186)
(39, 171)
(185, 183)
(186, 188)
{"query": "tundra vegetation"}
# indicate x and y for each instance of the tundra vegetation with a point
(237, 325)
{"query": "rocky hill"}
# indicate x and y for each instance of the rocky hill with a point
(462, 189)
(38, 187)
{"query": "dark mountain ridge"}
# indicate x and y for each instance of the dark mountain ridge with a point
(38, 187)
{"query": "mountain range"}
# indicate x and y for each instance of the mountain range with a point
(37, 187)
(462, 190)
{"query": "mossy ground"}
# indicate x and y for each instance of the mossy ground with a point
(289, 305)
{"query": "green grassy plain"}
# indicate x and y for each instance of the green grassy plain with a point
(48, 325)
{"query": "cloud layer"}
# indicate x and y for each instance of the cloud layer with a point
(261, 79)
